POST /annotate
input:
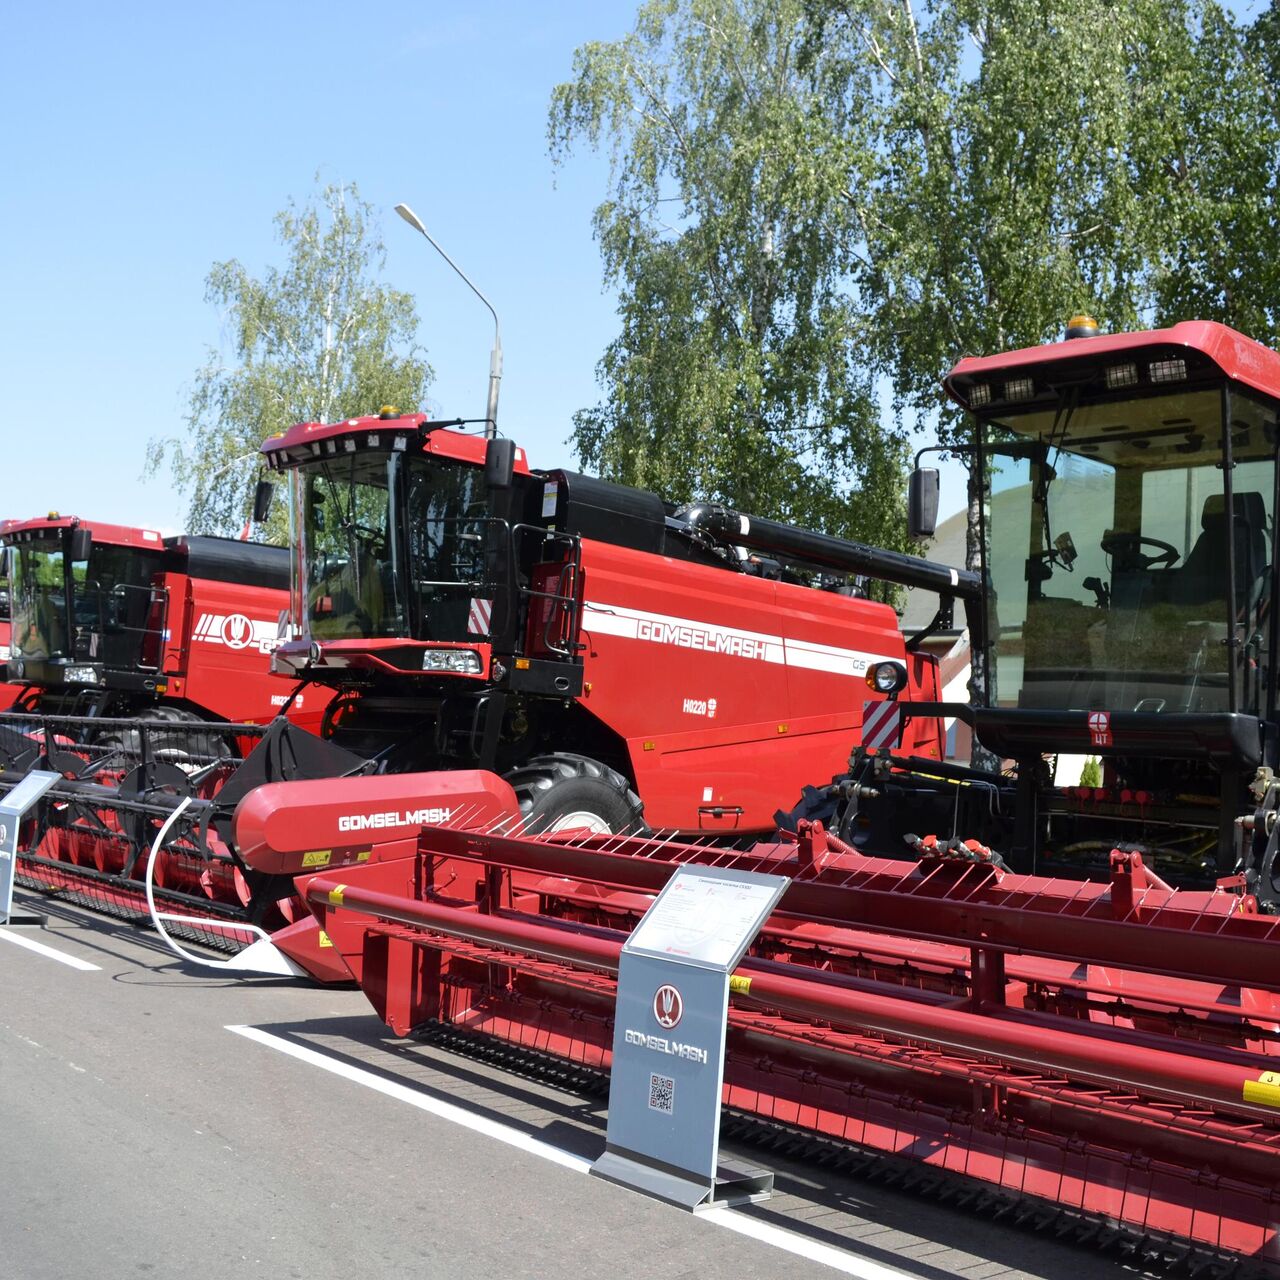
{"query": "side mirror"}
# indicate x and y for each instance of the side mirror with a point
(499, 463)
(79, 543)
(922, 502)
(262, 496)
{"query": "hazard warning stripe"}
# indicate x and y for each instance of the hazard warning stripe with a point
(479, 617)
(881, 724)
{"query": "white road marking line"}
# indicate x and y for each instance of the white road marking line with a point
(402, 1093)
(825, 1254)
(40, 949)
(730, 1219)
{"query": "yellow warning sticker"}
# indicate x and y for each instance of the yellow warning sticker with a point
(317, 858)
(364, 855)
(1265, 1090)
(335, 895)
(325, 940)
(738, 985)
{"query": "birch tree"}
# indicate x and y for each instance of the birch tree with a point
(320, 339)
(817, 206)
(737, 373)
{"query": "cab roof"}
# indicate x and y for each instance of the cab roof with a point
(1216, 348)
(421, 435)
(113, 534)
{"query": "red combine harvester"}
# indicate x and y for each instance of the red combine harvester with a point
(1100, 1055)
(585, 640)
(141, 668)
(114, 622)
(580, 638)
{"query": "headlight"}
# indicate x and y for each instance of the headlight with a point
(887, 677)
(80, 675)
(464, 662)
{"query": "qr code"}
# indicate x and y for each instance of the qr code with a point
(662, 1094)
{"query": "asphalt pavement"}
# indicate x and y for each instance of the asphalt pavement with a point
(162, 1121)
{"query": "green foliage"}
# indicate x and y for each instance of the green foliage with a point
(736, 373)
(814, 202)
(320, 340)
(1030, 158)
(1091, 773)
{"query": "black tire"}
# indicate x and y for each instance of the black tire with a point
(555, 791)
(173, 747)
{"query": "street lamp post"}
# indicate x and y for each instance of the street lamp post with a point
(495, 357)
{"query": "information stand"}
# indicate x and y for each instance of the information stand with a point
(13, 808)
(663, 1134)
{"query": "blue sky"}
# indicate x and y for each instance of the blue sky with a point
(146, 141)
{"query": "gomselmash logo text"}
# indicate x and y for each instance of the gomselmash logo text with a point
(380, 821)
(675, 1048)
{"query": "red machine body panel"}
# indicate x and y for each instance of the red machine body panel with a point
(685, 682)
(218, 642)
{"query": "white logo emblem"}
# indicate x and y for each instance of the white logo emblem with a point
(237, 631)
(668, 1007)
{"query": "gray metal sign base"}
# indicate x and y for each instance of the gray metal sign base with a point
(667, 1071)
(734, 1184)
(13, 808)
(33, 918)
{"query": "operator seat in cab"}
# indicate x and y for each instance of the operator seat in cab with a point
(1201, 577)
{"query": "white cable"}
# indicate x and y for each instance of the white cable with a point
(262, 956)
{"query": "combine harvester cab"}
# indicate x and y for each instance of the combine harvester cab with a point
(1097, 1055)
(142, 664)
(1128, 549)
(599, 649)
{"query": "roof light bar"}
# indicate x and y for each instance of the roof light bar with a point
(1120, 376)
(1174, 370)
